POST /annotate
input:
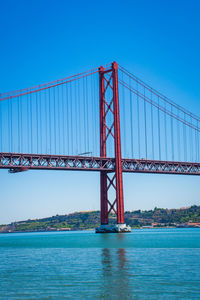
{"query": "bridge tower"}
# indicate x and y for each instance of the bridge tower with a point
(110, 129)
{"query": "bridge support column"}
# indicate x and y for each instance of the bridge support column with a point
(110, 129)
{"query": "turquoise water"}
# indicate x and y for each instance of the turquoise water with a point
(145, 264)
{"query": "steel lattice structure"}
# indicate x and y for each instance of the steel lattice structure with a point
(17, 162)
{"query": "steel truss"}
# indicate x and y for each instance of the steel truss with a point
(17, 162)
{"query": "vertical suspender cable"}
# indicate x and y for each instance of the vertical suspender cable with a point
(159, 143)
(88, 132)
(50, 136)
(36, 118)
(185, 139)
(67, 114)
(87, 123)
(28, 123)
(165, 121)
(31, 116)
(63, 118)
(11, 137)
(191, 142)
(198, 141)
(81, 104)
(90, 115)
(131, 118)
(55, 133)
(41, 127)
(138, 119)
(58, 101)
(75, 117)
(178, 137)
(21, 120)
(85, 133)
(79, 118)
(184, 148)
(145, 126)
(9, 149)
(45, 121)
(172, 135)
(93, 115)
(196, 133)
(152, 128)
(11, 120)
(18, 119)
(71, 129)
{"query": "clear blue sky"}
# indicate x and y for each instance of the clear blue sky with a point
(46, 40)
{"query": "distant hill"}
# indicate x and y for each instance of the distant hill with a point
(158, 217)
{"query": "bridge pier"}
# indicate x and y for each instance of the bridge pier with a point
(109, 107)
(116, 228)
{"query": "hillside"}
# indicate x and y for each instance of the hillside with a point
(158, 217)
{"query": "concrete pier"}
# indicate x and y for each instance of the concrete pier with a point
(116, 228)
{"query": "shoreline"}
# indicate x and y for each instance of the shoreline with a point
(93, 229)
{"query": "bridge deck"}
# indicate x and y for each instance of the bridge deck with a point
(16, 162)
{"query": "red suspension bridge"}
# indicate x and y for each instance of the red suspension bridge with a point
(105, 119)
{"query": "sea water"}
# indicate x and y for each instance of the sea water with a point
(143, 264)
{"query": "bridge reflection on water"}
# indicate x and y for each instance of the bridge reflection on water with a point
(115, 271)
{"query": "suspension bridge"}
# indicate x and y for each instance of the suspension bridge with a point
(106, 120)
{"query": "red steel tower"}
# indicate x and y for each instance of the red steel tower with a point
(110, 130)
